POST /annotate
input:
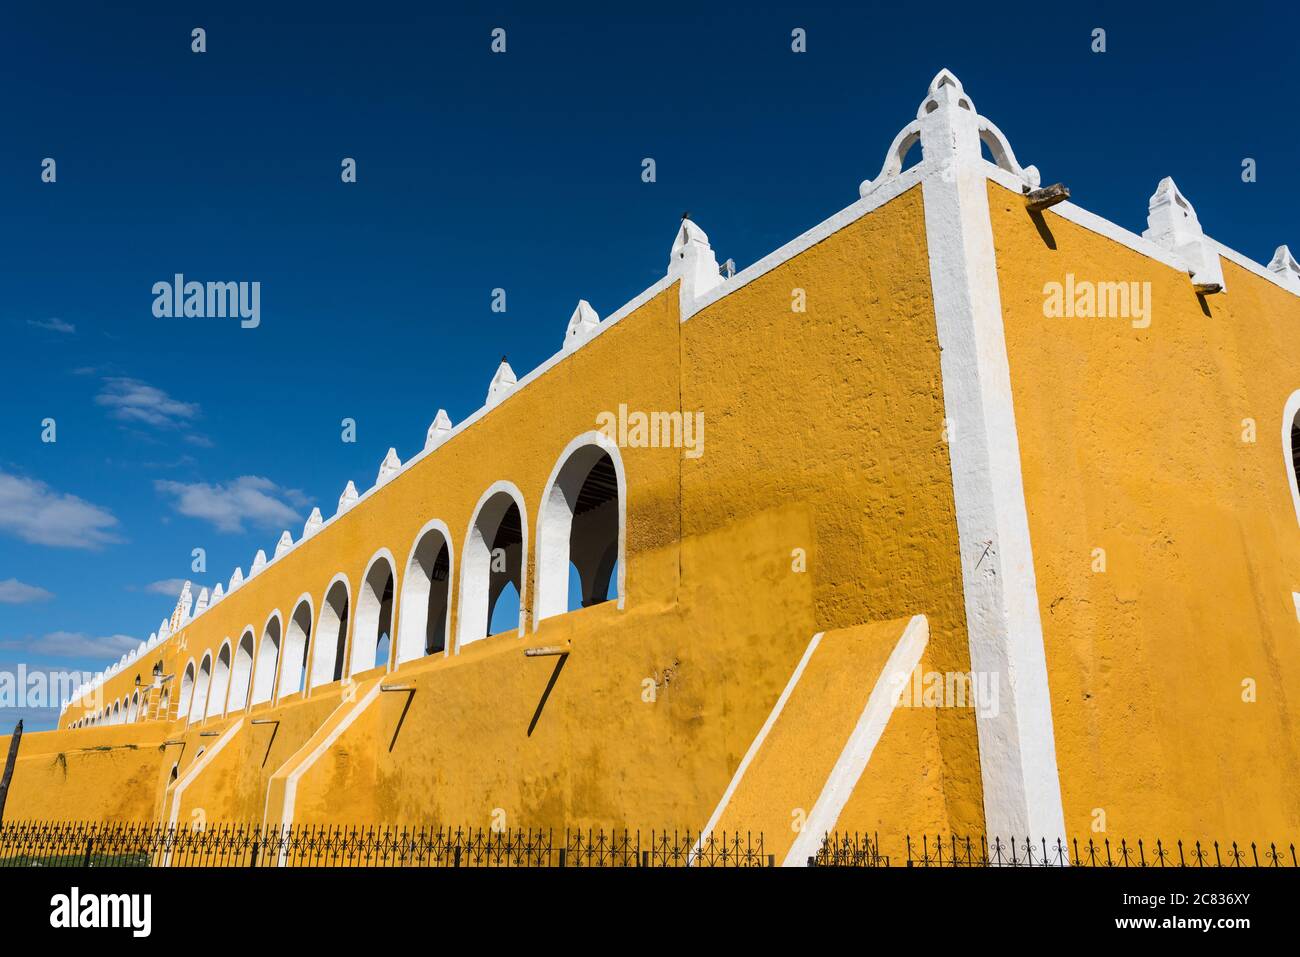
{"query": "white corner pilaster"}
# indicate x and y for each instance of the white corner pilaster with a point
(1022, 793)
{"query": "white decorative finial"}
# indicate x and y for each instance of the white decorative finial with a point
(1172, 223)
(284, 544)
(582, 324)
(184, 602)
(950, 132)
(259, 562)
(389, 467)
(347, 498)
(1285, 267)
(202, 604)
(164, 629)
(692, 261)
(153, 639)
(217, 593)
(314, 524)
(236, 579)
(438, 431)
(502, 382)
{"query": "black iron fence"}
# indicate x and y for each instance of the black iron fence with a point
(860, 850)
(84, 844)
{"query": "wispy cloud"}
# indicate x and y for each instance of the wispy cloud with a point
(171, 587)
(38, 514)
(14, 592)
(53, 325)
(74, 644)
(249, 498)
(130, 400)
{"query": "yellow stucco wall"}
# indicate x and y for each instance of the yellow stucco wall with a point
(1131, 442)
(823, 434)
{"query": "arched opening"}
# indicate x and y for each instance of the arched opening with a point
(133, 713)
(581, 530)
(1291, 447)
(494, 559)
(199, 707)
(268, 657)
(171, 778)
(241, 673)
(374, 617)
(296, 640)
(220, 682)
(117, 713)
(331, 635)
(426, 597)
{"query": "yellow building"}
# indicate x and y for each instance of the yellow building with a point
(963, 512)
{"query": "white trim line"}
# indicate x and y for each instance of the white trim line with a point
(756, 744)
(852, 762)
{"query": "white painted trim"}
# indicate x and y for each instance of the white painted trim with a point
(542, 592)
(512, 490)
(253, 698)
(340, 578)
(852, 762)
(249, 632)
(230, 671)
(756, 745)
(303, 599)
(383, 554)
(201, 761)
(400, 638)
(1289, 412)
(291, 779)
(1017, 746)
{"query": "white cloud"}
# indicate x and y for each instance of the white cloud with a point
(171, 587)
(130, 400)
(36, 513)
(53, 325)
(14, 592)
(75, 644)
(249, 498)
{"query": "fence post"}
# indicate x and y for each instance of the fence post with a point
(252, 861)
(9, 767)
(90, 843)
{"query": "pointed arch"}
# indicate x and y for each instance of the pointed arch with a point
(376, 610)
(1291, 447)
(426, 594)
(582, 521)
(494, 556)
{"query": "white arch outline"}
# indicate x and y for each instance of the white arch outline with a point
(230, 673)
(185, 703)
(383, 553)
(1289, 412)
(340, 577)
(284, 644)
(198, 674)
(433, 525)
(606, 444)
(511, 489)
(276, 616)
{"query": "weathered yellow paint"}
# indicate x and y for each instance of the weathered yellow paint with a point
(824, 433)
(1131, 441)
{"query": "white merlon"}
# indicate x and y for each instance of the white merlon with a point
(153, 639)
(284, 544)
(582, 324)
(502, 382)
(201, 605)
(164, 629)
(217, 593)
(183, 605)
(259, 562)
(389, 467)
(314, 524)
(946, 93)
(439, 430)
(236, 579)
(347, 498)
(692, 261)
(1285, 267)
(1172, 224)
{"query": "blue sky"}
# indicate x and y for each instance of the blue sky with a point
(475, 171)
